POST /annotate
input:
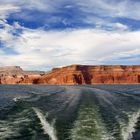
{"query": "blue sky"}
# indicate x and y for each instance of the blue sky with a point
(41, 34)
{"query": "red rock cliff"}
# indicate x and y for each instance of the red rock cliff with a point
(78, 74)
(82, 74)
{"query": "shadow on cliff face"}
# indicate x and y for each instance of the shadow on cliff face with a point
(83, 78)
(139, 79)
(87, 77)
(35, 81)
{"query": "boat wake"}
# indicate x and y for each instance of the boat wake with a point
(129, 129)
(86, 112)
(48, 128)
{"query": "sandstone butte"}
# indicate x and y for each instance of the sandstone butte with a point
(74, 74)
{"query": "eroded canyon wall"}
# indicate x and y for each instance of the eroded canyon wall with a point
(79, 74)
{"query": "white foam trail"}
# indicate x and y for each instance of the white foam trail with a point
(48, 129)
(130, 128)
(16, 99)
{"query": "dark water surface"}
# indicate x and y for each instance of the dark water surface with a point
(86, 112)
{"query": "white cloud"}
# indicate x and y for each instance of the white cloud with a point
(111, 26)
(6, 9)
(40, 5)
(111, 8)
(41, 49)
(99, 13)
(102, 8)
(120, 26)
(38, 48)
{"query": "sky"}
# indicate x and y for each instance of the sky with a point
(42, 34)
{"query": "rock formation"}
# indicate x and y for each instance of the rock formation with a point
(82, 74)
(16, 75)
(76, 74)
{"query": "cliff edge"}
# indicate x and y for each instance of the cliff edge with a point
(77, 74)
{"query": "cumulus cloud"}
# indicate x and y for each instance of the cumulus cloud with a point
(38, 48)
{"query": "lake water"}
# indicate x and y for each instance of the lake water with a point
(80, 112)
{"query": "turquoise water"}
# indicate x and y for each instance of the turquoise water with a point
(81, 112)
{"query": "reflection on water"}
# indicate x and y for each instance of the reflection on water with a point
(86, 112)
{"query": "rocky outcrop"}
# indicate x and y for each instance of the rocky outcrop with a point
(25, 79)
(16, 75)
(75, 74)
(10, 70)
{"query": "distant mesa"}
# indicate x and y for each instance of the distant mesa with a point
(72, 75)
(10, 69)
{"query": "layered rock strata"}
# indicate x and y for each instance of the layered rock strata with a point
(74, 74)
